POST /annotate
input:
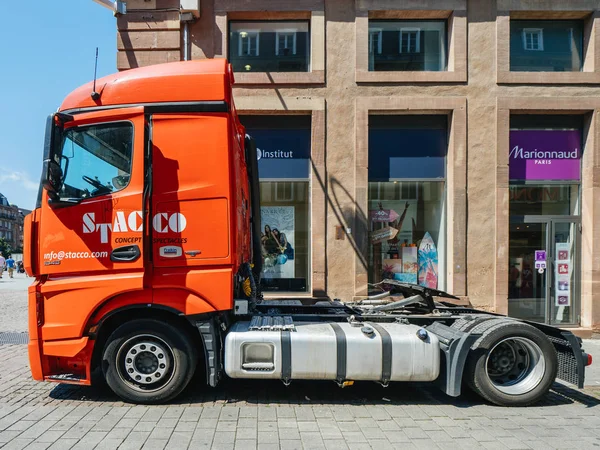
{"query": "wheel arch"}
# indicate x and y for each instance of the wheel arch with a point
(101, 331)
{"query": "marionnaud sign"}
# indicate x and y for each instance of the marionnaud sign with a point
(545, 155)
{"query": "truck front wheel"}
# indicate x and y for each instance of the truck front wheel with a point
(512, 364)
(147, 361)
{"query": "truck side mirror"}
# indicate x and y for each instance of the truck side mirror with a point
(52, 178)
(52, 174)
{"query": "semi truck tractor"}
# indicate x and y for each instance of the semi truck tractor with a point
(145, 248)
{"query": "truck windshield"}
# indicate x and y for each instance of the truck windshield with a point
(95, 160)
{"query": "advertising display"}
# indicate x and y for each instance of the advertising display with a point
(550, 155)
(563, 274)
(277, 241)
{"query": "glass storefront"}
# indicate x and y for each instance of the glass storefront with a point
(283, 147)
(406, 217)
(544, 232)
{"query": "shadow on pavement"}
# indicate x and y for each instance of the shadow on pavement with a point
(272, 392)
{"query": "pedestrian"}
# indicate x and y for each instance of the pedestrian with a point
(10, 265)
(2, 262)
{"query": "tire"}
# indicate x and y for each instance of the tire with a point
(468, 323)
(146, 361)
(512, 364)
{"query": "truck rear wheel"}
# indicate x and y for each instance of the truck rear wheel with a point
(512, 364)
(147, 361)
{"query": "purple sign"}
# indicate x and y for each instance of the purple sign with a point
(545, 155)
(540, 255)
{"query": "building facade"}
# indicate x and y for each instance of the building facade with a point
(9, 224)
(454, 143)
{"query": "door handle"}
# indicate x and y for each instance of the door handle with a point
(128, 253)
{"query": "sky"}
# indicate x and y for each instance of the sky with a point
(46, 52)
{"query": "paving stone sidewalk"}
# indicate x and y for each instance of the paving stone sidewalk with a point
(242, 414)
(267, 415)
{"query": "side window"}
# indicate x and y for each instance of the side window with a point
(96, 160)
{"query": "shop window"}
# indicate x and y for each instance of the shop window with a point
(408, 45)
(283, 149)
(270, 46)
(406, 198)
(544, 233)
(546, 45)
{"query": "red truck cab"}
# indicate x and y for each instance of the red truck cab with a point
(143, 212)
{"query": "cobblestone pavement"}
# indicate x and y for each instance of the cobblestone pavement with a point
(242, 414)
(13, 302)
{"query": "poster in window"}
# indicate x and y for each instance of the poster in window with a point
(562, 274)
(277, 241)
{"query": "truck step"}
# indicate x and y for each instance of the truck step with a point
(272, 323)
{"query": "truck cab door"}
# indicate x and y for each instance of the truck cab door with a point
(94, 222)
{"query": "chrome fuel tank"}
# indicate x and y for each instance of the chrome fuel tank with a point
(332, 351)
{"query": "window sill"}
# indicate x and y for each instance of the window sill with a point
(410, 77)
(271, 78)
(548, 77)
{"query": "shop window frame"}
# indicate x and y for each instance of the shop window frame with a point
(315, 107)
(455, 184)
(589, 108)
(585, 10)
(456, 39)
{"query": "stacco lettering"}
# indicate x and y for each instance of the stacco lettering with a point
(133, 222)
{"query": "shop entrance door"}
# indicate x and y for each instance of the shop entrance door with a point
(543, 278)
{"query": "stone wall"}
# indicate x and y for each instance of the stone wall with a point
(477, 93)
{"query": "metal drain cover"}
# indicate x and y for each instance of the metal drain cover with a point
(14, 338)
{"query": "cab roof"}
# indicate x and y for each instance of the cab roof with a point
(185, 81)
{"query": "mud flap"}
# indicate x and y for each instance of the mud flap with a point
(455, 346)
(213, 353)
(571, 362)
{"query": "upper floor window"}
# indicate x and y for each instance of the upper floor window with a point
(269, 46)
(407, 45)
(546, 45)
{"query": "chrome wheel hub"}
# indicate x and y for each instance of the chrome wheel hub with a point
(145, 362)
(516, 365)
